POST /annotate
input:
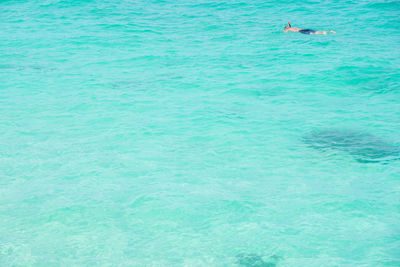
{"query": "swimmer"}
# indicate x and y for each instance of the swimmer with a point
(289, 28)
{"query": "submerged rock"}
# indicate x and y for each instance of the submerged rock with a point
(255, 260)
(362, 146)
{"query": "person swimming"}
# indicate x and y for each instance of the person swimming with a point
(289, 28)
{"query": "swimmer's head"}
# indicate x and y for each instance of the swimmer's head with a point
(288, 26)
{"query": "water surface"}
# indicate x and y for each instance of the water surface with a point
(171, 133)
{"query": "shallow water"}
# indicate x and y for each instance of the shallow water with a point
(171, 133)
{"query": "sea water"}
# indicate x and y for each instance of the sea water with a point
(198, 133)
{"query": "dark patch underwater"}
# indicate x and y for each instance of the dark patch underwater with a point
(255, 260)
(364, 147)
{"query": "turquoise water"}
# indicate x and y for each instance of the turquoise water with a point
(197, 133)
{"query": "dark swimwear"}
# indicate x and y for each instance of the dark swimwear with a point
(307, 31)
